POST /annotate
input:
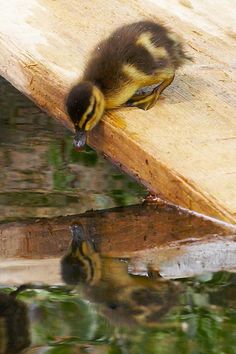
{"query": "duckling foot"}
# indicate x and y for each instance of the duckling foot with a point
(141, 101)
(148, 100)
(144, 105)
(159, 89)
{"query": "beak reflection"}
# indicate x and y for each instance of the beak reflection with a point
(79, 139)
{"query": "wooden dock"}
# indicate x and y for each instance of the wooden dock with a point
(185, 147)
(172, 241)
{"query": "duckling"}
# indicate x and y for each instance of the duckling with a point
(134, 56)
(123, 298)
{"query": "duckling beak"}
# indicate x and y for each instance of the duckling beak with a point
(78, 234)
(79, 139)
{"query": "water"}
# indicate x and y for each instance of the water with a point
(202, 319)
(41, 173)
(109, 311)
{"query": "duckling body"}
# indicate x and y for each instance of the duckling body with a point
(134, 56)
(125, 299)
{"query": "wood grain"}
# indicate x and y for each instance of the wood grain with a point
(185, 147)
(170, 240)
(118, 232)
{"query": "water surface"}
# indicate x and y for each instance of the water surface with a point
(41, 173)
(42, 176)
(201, 320)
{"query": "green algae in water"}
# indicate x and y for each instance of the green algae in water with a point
(202, 321)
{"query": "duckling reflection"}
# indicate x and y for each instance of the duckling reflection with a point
(123, 298)
(14, 325)
(134, 56)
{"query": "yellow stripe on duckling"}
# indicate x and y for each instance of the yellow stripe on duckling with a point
(145, 40)
(99, 109)
(135, 74)
(86, 113)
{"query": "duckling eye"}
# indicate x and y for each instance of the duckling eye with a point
(113, 306)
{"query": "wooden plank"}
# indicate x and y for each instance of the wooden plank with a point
(20, 271)
(118, 232)
(185, 147)
(171, 240)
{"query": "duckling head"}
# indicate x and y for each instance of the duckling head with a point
(81, 265)
(85, 105)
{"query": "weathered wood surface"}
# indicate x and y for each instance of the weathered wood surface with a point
(118, 232)
(185, 147)
(169, 239)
